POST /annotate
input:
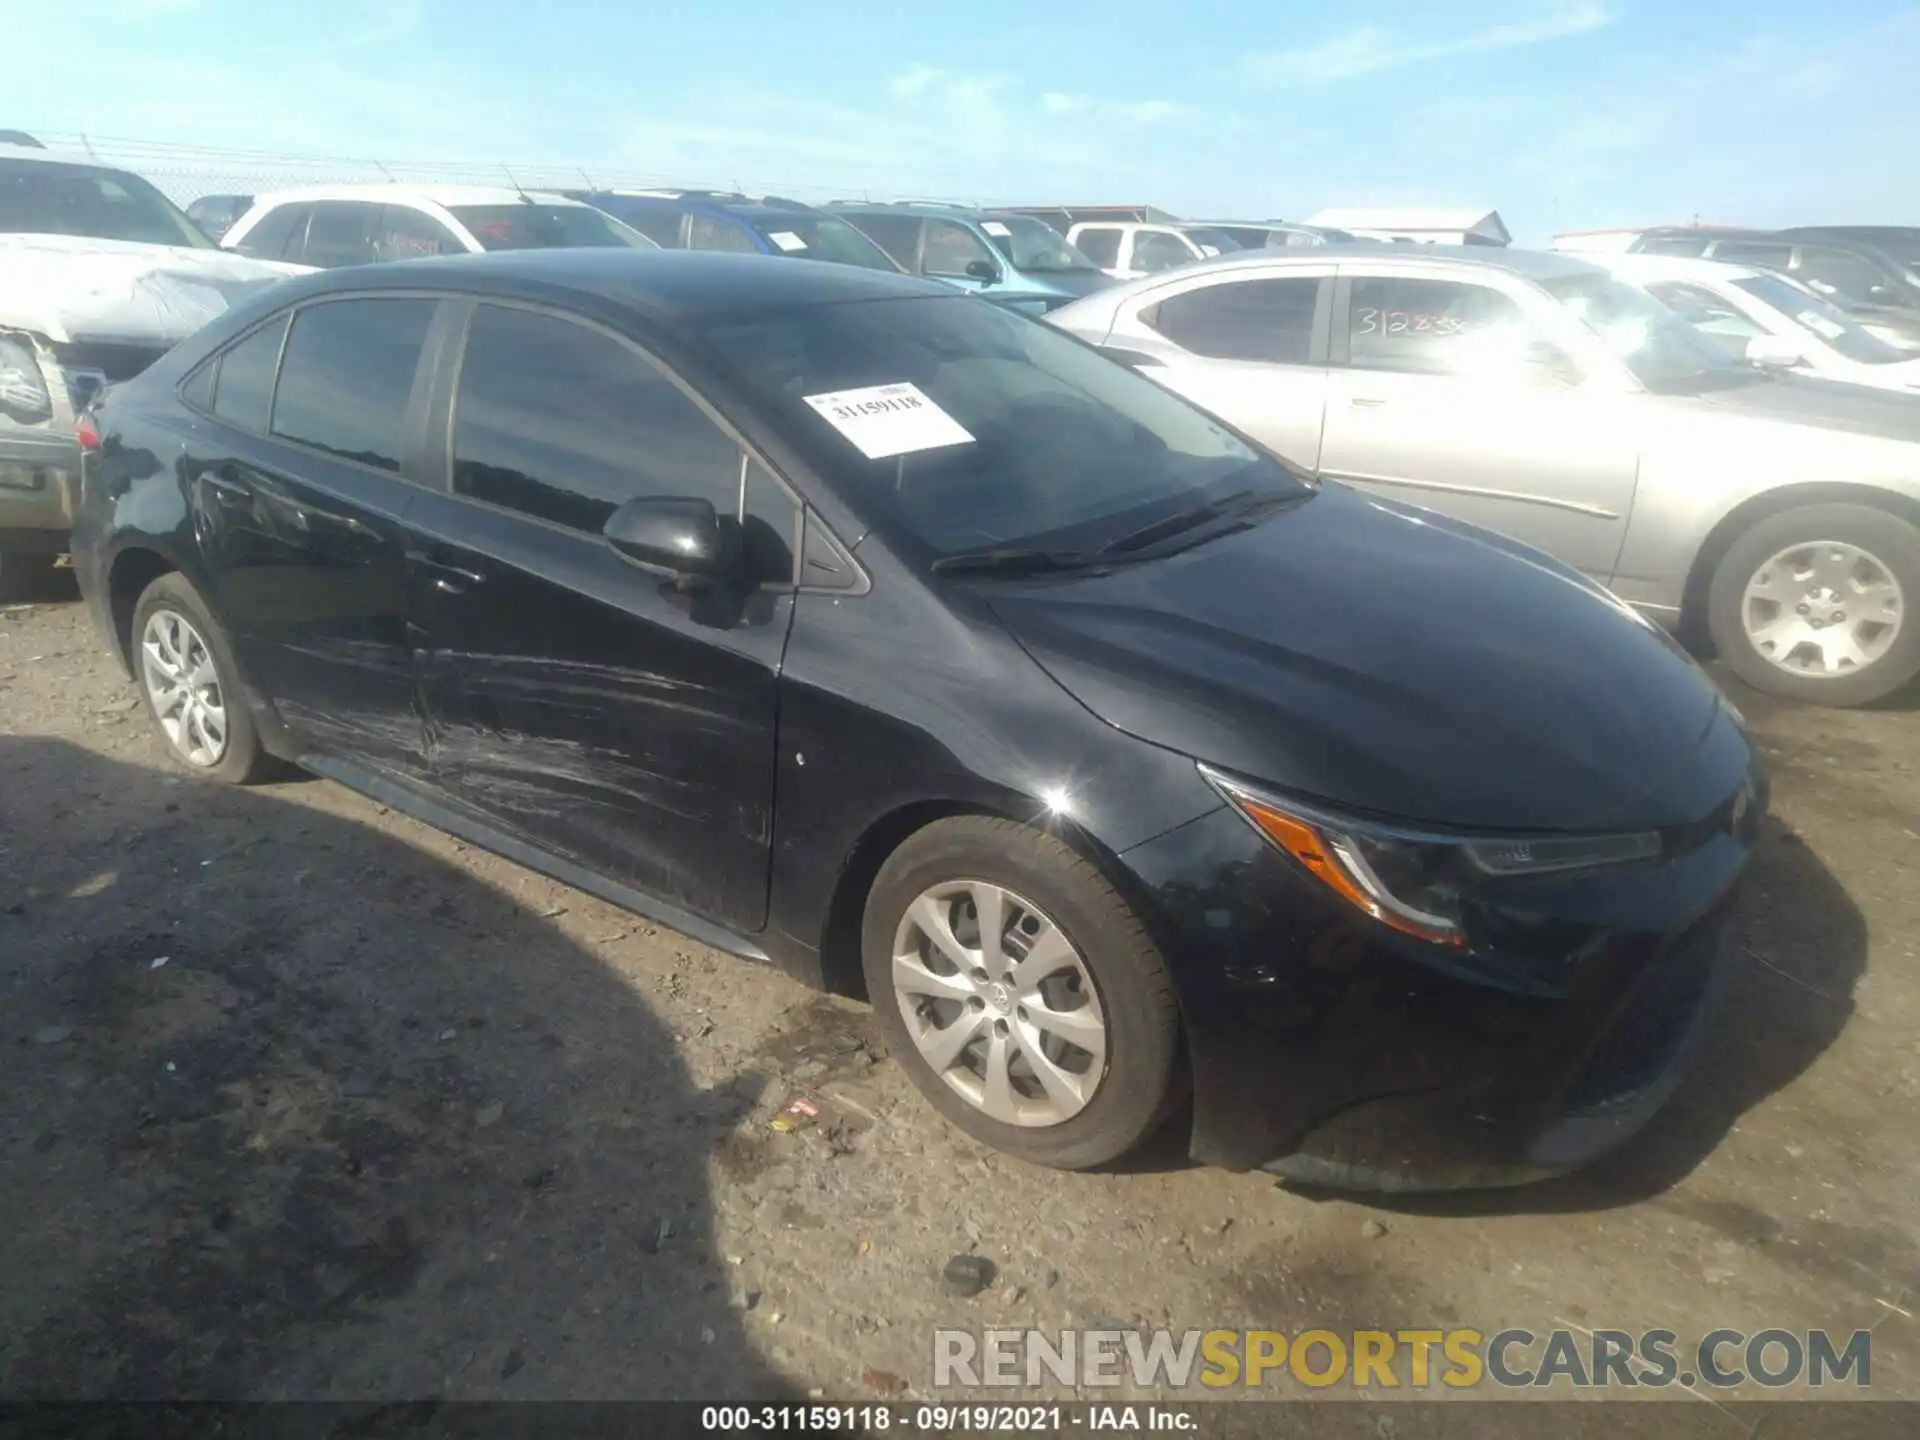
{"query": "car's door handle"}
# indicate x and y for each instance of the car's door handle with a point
(1365, 402)
(448, 579)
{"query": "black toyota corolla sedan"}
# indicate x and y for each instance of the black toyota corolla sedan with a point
(849, 624)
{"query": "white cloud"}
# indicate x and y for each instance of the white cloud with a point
(1124, 112)
(1369, 49)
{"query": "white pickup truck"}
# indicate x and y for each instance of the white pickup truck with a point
(100, 275)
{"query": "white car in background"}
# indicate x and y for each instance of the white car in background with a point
(1129, 249)
(1768, 318)
(100, 275)
(332, 225)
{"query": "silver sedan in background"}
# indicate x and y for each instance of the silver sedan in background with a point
(1773, 516)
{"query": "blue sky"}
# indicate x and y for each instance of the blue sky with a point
(1561, 113)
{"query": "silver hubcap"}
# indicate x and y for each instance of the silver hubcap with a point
(1000, 1004)
(1823, 608)
(184, 688)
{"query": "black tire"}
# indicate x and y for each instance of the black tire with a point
(243, 761)
(22, 576)
(1890, 540)
(1141, 1083)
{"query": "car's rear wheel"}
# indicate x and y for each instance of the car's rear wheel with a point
(187, 676)
(1812, 604)
(1021, 992)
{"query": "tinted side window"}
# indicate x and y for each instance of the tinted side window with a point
(340, 233)
(563, 422)
(1102, 246)
(347, 375)
(950, 248)
(1703, 309)
(243, 386)
(403, 233)
(269, 239)
(1440, 327)
(659, 223)
(1268, 320)
(197, 391)
(707, 233)
(1750, 252)
(898, 235)
(1155, 251)
(1836, 272)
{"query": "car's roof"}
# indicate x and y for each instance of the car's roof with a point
(1636, 265)
(916, 207)
(401, 193)
(1535, 264)
(670, 286)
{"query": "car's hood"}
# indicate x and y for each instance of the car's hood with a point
(76, 288)
(1828, 404)
(1390, 661)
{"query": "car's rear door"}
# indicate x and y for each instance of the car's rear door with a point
(1249, 345)
(297, 493)
(574, 701)
(1451, 393)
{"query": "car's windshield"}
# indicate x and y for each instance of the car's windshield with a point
(1212, 239)
(533, 226)
(960, 427)
(1664, 352)
(51, 197)
(1829, 322)
(821, 237)
(1028, 244)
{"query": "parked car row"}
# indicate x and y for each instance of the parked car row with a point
(1871, 271)
(1232, 678)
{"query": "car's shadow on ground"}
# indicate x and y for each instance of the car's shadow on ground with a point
(1798, 947)
(294, 1109)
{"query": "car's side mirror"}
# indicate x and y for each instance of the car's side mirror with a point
(676, 534)
(1774, 352)
(983, 271)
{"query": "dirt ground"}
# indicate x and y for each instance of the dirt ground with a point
(303, 1099)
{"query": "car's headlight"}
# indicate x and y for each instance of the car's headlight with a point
(1413, 881)
(23, 390)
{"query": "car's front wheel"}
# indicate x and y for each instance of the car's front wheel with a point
(1021, 992)
(1812, 604)
(187, 676)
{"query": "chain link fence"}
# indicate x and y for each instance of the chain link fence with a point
(186, 172)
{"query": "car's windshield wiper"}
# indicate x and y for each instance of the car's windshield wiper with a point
(1017, 561)
(1241, 505)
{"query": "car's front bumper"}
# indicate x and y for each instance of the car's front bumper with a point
(1337, 1053)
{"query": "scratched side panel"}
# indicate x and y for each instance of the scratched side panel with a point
(582, 705)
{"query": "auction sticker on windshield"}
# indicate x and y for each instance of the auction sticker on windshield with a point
(787, 240)
(995, 227)
(887, 420)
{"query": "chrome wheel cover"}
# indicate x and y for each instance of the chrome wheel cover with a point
(183, 687)
(1823, 609)
(1000, 1004)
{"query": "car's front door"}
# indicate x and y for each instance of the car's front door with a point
(1449, 394)
(1249, 346)
(297, 499)
(573, 700)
